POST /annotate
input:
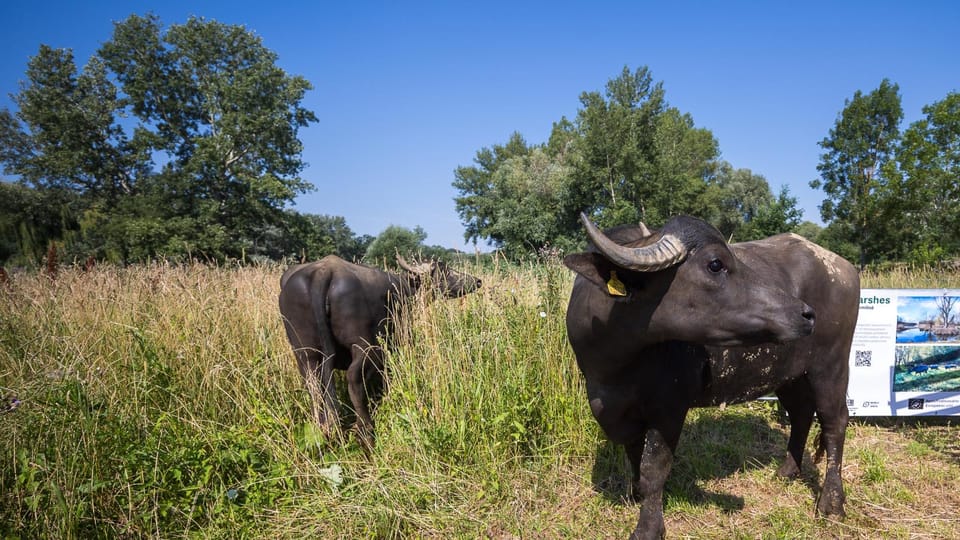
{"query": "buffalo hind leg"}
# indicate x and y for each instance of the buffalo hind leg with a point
(655, 457)
(317, 372)
(365, 368)
(316, 368)
(796, 398)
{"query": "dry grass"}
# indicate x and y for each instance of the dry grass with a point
(163, 401)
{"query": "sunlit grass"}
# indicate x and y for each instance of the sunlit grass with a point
(164, 401)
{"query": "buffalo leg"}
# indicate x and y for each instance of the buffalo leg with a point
(316, 368)
(833, 415)
(797, 399)
(656, 458)
(365, 366)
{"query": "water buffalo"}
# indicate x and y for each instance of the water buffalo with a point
(335, 311)
(664, 321)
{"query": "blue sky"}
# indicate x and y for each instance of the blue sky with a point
(407, 91)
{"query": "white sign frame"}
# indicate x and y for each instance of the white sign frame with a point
(905, 359)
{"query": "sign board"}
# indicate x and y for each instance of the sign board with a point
(905, 358)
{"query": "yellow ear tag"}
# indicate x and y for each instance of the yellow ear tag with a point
(614, 286)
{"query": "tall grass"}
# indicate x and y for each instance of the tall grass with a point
(163, 401)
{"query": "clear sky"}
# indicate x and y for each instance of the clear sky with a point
(405, 92)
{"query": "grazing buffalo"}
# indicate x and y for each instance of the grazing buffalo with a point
(334, 313)
(664, 321)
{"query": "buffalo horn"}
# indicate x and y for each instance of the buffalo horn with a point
(418, 269)
(664, 253)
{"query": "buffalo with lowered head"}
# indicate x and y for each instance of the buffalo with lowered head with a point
(664, 321)
(334, 312)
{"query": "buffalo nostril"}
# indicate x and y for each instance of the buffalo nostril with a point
(808, 313)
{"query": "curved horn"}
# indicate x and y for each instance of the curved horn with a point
(666, 252)
(419, 269)
(644, 230)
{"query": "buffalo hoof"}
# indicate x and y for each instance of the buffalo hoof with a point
(789, 469)
(831, 503)
(649, 533)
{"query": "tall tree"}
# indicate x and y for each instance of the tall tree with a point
(478, 202)
(859, 145)
(616, 148)
(626, 157)
(407, 242)
(65, 133)
(211, 97)
(923, 208)
(735, 198)
(174, 142)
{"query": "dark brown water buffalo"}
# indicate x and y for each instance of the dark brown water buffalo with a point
(661, 322)
(335, 311)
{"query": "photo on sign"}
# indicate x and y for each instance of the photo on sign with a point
(928, 319)
(927, 368)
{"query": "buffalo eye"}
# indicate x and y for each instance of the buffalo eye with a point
(716, 266)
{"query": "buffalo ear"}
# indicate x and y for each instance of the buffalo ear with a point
(591, 266)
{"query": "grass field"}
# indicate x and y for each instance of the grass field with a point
(163, 401)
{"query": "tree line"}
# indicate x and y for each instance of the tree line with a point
(182, 142)
(628, 156)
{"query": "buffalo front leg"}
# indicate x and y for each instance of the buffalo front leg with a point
(797, 399)
(655, 456)
(833, 431)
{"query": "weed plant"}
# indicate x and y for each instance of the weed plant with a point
(163, 401)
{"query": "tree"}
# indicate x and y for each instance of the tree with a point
(65, 135)
(530, 190)
(736, 197)
(478, 203)
(923, 195)
(408, 243)
(626, 157)
(311, 237)
(780, 216)
(860, 144)
(224, 113)
(615, 148)
(177, 142)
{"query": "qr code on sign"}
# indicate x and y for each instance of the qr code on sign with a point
(863, 358)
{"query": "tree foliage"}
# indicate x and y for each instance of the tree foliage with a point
(626, 157)
(176, 142)
(922, 207)
(408, 243)
(856, 151)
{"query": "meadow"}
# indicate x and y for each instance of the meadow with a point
(163, 401)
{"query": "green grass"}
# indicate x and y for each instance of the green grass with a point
(163, 401)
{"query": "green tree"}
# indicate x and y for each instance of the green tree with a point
(615, 149)
(736, 197)
(407, 242)
(64, 134)
(626, 157)
(923, 195)
(780, 216)
(225, 115)
(858, 147)
(530, 191)
(478, 201)
(310, 237)
(177, 142)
